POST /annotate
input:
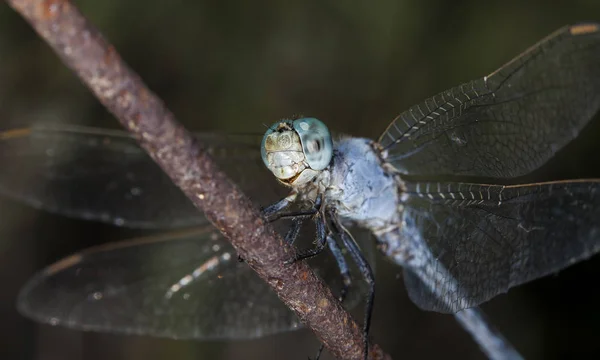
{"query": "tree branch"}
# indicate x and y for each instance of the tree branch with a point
(99, 66)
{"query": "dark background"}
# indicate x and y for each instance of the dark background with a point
(236, 65)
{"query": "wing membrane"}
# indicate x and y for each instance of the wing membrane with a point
(489, 238)
(104, 175)
(178, 285)
(510, 122)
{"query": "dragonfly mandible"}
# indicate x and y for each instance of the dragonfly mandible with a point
(460, 242)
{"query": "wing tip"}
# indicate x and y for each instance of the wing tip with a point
(15, 133)
(60, 265)
(584, 28)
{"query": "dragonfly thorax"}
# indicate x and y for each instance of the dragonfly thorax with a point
(361, 187)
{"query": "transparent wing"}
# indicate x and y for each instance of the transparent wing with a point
(178, 285)
(489, 238)
(103, 175)
(510, 122)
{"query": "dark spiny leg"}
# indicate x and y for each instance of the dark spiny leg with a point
(274, 209)
(344, 271)
(292, 233)
(320, 236)
(273, 213)
(342, 266)
(280, 205)
(320, 240)
(365, 270)
(294, 230)
(292, 214)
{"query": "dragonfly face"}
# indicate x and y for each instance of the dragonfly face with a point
(297, 150)
(461, 243)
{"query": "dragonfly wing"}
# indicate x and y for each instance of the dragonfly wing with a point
(510, 122)
(178, 285)
(104, 175)
(185, 284)
(489, 238)
(139, 287)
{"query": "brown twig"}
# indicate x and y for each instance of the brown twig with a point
(98, 65)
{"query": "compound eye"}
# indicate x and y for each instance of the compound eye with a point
(316, 142)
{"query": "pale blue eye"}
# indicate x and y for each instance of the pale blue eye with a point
(316, 142)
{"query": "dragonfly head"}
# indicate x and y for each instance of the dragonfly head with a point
(297, 150)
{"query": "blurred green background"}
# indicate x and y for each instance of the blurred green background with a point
(237, 65)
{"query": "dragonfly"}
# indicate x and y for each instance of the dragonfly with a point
(430, 190)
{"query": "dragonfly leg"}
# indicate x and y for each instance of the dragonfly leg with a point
(280, 205)
(342, 266)
(344, 271)
(292, 214)
(276, 214)
(294, 230)
(365, 270)
(321, 240)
